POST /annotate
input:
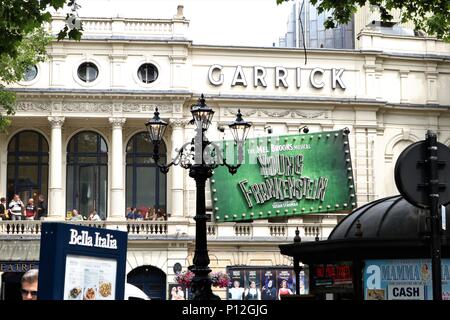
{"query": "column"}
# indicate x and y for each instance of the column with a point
(56, 197)
(177, 171)
(117, 195)
(404, 86)
(432, 85)
(369, 68)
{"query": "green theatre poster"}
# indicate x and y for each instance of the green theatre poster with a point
(286, 175)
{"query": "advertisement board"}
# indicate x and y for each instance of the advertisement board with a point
(271, 282)
(81, 263)
(285, 175)
(335, 275)
(408, 279)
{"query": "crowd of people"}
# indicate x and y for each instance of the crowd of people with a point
(35, 209)
(16, 209)
(153, 214)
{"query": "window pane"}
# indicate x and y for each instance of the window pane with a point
(92, 160)
(69, 189)
(44, 181)
(145, 187)
(28, 159)
(87, 142)
(27, 177)
(129, 201)
(103, 192)
(12, 144)
(162, 190)
(10, 187)
(103, 147)
(143, 144)
(28, 141)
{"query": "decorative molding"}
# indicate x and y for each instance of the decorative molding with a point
(178, 123)
(145, 108)
(177, 108)
(117, 107)
(86, 107)
(246, 112)
(33, 106)
(56, 122)
(277, 113)
(117, 122)
(312, 115)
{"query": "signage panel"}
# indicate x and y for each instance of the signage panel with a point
(408, 279)
(81, 263)
(286, 175)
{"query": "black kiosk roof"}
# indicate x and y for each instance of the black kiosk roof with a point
(387, 228)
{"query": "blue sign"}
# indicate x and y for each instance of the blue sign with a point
(81, 263)
(408, 279)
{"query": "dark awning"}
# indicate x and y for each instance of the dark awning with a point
(366, 248)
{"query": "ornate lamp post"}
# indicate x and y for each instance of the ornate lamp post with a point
(195, 156)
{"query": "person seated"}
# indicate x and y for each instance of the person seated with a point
(76, 216)
(138, 215)
(93, 216)
(161, 214)
(131, 213)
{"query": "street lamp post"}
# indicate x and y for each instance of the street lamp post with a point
(195, 156)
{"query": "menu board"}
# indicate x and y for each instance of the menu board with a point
(89, 278)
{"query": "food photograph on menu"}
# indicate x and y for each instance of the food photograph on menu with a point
(89, 278)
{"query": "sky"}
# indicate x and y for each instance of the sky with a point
(217, 22)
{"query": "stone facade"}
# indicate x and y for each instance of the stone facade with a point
(391, 90)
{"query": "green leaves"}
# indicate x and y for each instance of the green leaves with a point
(23, 43)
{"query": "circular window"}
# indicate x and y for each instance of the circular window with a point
(87, 72)
(148, 73)
(30, 73)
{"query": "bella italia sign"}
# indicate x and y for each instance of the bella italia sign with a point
(286, 176)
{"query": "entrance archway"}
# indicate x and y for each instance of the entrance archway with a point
(149, 279)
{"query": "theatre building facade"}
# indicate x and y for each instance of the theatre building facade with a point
(78, 136)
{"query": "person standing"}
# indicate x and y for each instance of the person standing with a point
(236, 292)
(284, 290)
(269, 292)
(252, 293)
(29, 285)
(15, 208)
(30, 210)
(4, 214)
(41, 208)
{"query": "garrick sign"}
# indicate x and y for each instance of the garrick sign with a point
(286, 176)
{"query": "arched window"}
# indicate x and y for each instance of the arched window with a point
(146, 185)
(27, 165)
(87, 174)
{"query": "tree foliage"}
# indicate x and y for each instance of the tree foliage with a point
(23, 43)
(431, 16)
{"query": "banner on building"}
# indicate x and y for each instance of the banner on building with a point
(286, 175)
(408, 279)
